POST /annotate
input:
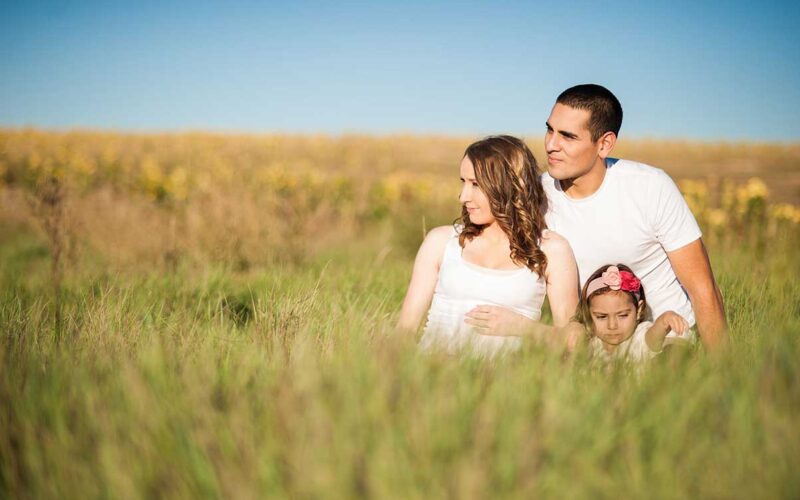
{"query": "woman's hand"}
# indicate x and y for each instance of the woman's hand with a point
(574, 334)
(503, 322)
(498, 321)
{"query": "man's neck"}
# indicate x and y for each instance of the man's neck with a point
(587, 184)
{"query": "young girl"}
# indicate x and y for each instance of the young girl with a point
(613, 308)
(483, 280)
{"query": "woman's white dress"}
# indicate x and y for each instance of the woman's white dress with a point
(462, 286)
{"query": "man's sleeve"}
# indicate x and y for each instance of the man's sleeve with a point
(672, 221)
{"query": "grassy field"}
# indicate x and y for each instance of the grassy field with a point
(201, 316)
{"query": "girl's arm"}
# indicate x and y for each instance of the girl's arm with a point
(654, 337)
(423, 278)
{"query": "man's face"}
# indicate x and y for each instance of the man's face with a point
(571, 152)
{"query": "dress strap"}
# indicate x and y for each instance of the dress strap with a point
(452, 249)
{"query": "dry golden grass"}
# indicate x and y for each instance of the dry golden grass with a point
(178, 162)
(249, 199)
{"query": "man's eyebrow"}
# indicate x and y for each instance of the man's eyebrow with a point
(568, 134)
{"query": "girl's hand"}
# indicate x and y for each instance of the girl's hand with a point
(671, 320)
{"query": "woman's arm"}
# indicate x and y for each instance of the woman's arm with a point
(423, 278)
(562, 278)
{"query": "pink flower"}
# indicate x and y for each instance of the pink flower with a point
(612, 278)
(615, 279)
(629, 282)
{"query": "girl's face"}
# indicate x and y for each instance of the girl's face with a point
(472, 197)
(614, 316)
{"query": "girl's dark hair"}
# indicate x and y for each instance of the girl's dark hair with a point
(508, 175)
(584, 316)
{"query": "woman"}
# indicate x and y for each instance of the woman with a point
(483, 280)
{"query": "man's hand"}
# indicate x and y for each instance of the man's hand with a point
(498, 321)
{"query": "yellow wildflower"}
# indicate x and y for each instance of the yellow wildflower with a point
(717, 218)
(785, 212)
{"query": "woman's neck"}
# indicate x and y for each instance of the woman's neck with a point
(493, 233)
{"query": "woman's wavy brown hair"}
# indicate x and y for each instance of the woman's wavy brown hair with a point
(508, 175)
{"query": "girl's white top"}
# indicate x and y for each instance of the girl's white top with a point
(633, 350)
(462, 286)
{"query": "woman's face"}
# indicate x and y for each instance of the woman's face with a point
(614, 316)
(472, 197)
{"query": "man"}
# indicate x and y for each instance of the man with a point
(618, 211)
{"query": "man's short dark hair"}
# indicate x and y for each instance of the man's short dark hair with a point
(605, 111)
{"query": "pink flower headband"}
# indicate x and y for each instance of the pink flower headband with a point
(615, 279)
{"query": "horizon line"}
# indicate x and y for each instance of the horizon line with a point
(146, 131)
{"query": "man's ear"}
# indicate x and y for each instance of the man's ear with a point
(606, 143)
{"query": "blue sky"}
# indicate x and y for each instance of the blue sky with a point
(697, 70)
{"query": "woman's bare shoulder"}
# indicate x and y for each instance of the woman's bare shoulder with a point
(436, 240)
(554, 243)
(441, 233)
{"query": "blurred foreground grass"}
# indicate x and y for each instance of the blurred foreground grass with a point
(238, 342)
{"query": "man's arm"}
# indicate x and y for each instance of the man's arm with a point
(693, 269)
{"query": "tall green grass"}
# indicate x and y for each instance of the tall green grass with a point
(288, 381)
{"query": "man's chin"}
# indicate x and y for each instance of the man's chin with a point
(557, 173)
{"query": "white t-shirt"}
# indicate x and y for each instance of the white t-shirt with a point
(634, 218)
